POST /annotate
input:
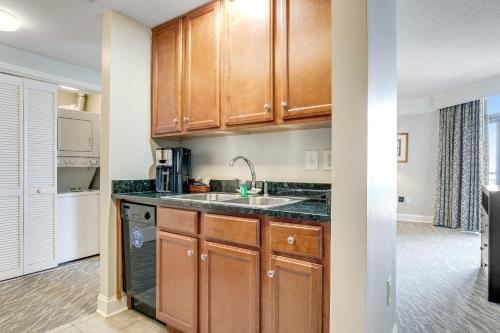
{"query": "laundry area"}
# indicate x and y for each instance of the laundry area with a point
(78, 134)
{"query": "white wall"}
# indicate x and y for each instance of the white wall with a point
(126, 149)
(276, 156)
(417, 177)
(23, 63)
(364, 165)
(382, 166)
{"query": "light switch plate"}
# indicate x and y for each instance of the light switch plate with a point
(327, 160)
(312, 160)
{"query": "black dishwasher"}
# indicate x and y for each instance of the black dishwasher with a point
(139, 259)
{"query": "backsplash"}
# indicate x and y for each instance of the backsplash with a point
(310, 190)
(135, 185)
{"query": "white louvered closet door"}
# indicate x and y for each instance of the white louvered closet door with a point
(40, 187)
(11, 176)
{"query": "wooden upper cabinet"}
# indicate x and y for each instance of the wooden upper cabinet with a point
(166, 77)
(303, 58)
(247, 83)
(229, 290)
(202, 61)
(296, 296)
(177, 281)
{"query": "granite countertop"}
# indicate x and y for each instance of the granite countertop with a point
(309, 209)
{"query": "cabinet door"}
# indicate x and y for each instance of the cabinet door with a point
(296, 296)
(201, 93)
(11, 176)
(166, 77)
(177, 281)
(247, 61)
(230, 294)
(303, 59)
(40, 183)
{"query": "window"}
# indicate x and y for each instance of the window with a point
(494, 138)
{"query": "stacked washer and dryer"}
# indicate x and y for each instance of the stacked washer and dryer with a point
(78, 134)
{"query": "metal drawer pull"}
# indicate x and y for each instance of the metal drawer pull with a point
(267, 107)
(204, 257)
(190, 253)
(175, 120)
(290, 240)
(270, 274)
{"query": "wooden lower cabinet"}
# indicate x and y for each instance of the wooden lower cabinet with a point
(214, 287)
(296, 296)
(177, 281)
(229, 299)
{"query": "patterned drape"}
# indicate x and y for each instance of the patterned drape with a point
(462, 165)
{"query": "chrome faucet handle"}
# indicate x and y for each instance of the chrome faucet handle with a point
(266, 189)
(240, 182)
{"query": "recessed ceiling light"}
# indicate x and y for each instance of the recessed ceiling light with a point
(8, 22)
(68, 88)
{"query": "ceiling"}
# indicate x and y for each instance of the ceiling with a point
(442, 45)
(70, 30)
(446, 45)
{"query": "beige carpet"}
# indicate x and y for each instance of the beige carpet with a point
(49, 299)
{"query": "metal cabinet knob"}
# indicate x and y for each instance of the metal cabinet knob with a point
(39, 191)
(175, 120)
(186, 119)
(284, 105)
(267, 107)
(204, 257)
(290, 240)
(270, 274)
(190, 253)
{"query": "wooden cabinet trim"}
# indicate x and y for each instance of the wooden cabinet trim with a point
(190, 244)
(238, 230)
(315, 273)
(177, 220)
(175, 126)
(211, 117)
(308, 240)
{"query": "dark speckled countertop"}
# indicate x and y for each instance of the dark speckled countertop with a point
(310, 209)
(313, 208)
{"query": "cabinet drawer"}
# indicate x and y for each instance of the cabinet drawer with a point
(296, 239)
(232, 229)
(184, 221)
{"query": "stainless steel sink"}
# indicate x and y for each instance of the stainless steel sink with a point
(235, 199)
(204, 197)
(264, 202)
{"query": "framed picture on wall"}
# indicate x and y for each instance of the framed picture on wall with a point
(402, 147)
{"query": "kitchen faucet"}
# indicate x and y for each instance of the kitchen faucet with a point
(253, 189)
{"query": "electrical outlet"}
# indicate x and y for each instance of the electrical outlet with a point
(401, 199)
(408, 200)
(312, 158)
(389, 291)
(327, 159)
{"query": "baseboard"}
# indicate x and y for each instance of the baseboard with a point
(415, 218)
(109, 306)
(395, 328)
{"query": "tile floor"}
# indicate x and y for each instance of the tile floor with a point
(125, 322)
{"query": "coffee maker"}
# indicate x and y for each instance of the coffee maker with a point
(173, 168)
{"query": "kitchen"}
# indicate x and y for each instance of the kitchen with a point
(210, 76)
(251, 79)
